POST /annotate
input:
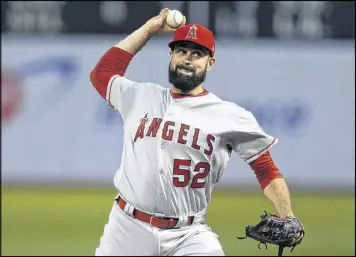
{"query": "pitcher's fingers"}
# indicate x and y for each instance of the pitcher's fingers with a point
(164, 12)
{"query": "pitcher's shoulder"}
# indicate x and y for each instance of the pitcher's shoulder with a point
(228, 106)
(151, 86)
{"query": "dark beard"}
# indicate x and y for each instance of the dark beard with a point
(183, 82)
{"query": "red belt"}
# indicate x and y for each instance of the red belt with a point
(159, 222)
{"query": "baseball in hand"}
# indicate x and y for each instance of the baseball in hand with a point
(174, 18)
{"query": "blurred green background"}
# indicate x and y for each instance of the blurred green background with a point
(69, 221)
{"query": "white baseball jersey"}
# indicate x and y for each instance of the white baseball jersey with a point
(176, 149)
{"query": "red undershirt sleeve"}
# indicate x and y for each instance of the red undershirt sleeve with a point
(265, 170)
(114, 62)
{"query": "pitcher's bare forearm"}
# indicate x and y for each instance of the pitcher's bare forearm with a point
(134, 42)
(273, 184)
(278, 193)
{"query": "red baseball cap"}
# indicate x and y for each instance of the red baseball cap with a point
(195, 33)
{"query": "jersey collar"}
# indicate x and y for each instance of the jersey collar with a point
(179, 96)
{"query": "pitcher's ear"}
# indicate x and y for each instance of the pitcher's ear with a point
(211, 63)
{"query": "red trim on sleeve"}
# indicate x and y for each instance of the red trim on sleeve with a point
(110, 87)
(265, 170)
(114, 62)
(261, 150)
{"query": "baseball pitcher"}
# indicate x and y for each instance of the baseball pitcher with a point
(177, 143)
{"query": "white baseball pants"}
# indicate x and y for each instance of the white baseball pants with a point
(125, 235)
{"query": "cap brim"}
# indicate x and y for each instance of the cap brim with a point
(172, 43)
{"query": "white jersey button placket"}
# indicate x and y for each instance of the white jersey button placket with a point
(160, 187)
(170, 110)
(160, 148)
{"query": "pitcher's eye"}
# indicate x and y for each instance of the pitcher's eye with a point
(181, 51)
(197, 54)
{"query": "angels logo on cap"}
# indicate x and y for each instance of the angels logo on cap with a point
(192, 33)
(195, 33)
